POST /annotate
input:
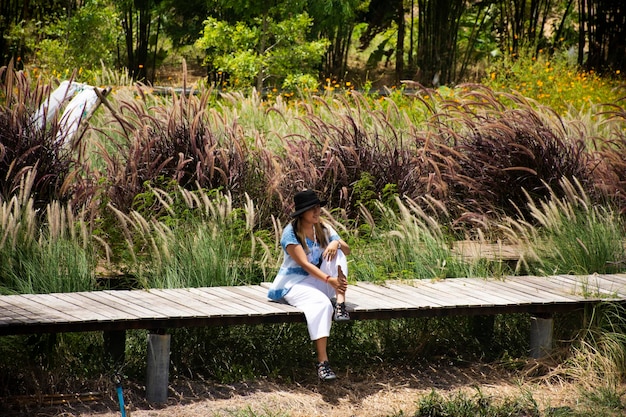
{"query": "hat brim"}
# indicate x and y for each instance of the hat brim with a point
(302, 210)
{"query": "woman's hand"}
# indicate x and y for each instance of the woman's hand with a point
(340, 284)
(331, 250)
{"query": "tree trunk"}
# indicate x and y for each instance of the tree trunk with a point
(143, 38)
(438, 22)
(262, 43)
(605, 30)
(400, 43)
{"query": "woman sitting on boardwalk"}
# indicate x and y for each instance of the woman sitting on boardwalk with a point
(313, 273)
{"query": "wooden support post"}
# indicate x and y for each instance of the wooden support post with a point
(157, 375)
(541, 329)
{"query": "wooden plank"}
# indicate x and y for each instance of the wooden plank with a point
(558, 293)
(383, 294)
(12, 313)
(39, 310)
(361, 299)
(10, 318)
(173, 299)
(617, 278)
(217, 296)
(180, 307)
(482, 289)
(527, 294)
(245, 308)
(69, 312)
(260, 299)
(219, 305)
(620, 281)
(405, 299)
(456, 294)
(380, 292)
(183, 301)
(479, 299)
(493, 291)
(230, 303)
(404, 293)
(515, 292)
(572, 286)
(536, 292)
(594, 286)
(34, 311)
(93, 307)
(147, 300)
(597, 288)
(511, 293)
(359, 293)
(442, 294)
(116, 299)
(202, 306)
(256, 291)
(419, 292)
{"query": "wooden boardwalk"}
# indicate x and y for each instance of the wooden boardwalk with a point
(118, 310)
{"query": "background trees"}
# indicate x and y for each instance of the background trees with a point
(428, 41)
(251, 53)
(603, 31)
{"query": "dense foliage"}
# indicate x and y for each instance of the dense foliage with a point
(433, 42)
(427, 165)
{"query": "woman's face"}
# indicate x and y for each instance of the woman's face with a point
(312, 215)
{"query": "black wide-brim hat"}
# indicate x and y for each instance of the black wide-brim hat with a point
(305, 200)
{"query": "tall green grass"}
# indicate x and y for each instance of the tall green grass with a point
(569, 235)
(406, 242)
(44, 252)
(198, 239)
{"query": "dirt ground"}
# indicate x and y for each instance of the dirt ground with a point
(384, 391)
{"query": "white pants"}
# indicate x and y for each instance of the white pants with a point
(313, 296)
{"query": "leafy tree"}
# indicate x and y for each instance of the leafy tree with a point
(83, 40)
(381, 15)
(21, 21)
(265, 49)
(184, 19)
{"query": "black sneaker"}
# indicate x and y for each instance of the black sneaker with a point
(341, 314)
(324, 372)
